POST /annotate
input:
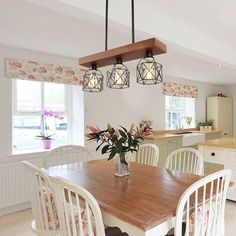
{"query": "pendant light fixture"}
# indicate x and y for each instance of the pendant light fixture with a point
(148, 70)
(118, 77)
(93, 80)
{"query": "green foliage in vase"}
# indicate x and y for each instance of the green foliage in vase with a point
(207, 123)
(116, 141)
(188, 120)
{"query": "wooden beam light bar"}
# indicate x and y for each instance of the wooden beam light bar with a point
(128, 52)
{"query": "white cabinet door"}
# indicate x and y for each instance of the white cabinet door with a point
(226, 117)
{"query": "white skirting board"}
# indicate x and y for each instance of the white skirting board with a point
(15, 208)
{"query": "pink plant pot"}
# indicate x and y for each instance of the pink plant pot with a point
(47, 143)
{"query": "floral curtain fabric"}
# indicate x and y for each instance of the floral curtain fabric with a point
(180, 90)
(34, 71)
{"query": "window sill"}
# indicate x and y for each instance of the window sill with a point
(33, 153)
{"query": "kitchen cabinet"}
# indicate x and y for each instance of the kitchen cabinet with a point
(222, 152)
(213, 136)
(168, 145)
(220, 109)
(165, 146)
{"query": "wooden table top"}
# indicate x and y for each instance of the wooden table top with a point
(145, 198)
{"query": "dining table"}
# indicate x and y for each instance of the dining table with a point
(143, 203)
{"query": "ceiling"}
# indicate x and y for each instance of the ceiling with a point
(68, 28)
(215, 18)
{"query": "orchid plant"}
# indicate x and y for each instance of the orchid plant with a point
(44, 126)
(116, 141)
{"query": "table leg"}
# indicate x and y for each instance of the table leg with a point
(131, 230)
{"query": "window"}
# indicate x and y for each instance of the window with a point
(30, 100)
(179, 112)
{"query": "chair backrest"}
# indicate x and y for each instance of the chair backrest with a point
(78, 211)
(147, 154)
(202, 206)
(42, 198)
(187, 160)
(66, 154)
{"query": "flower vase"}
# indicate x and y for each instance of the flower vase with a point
(47, 143)
(121, 168)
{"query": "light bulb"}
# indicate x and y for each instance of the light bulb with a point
(118, 75)
(93, 81)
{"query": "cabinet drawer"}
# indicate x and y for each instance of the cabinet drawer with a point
(214, 155)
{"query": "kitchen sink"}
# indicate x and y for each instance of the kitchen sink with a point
(184, 132)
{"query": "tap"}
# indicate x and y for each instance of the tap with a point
(179, 128)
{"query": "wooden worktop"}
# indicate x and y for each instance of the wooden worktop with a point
(170, 134)
(229, 143)
(163, 136)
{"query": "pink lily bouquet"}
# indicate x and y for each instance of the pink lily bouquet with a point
(116, 141)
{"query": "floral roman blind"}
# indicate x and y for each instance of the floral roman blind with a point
(35, 71)
(180, 90)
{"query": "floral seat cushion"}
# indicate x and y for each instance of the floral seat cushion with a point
(204, 222)
(51, 211)
(49, 201)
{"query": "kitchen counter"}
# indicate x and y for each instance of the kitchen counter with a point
(170, 134)
(229, 143)
(163, 136)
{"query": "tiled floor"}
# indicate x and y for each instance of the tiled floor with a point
(18, 224)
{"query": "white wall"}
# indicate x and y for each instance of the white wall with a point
(122, 107)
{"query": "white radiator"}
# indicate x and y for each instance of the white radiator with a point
(14, 186)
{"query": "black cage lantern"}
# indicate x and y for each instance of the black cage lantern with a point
(149, 71)
(93, 80)
(118, 76)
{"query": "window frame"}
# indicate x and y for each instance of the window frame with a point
(182, 111)
(67, 112)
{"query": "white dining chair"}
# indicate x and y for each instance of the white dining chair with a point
(187, 160)
(147, 154)
(66, 154)
(42, 201)
(78, 211)
(202, 206)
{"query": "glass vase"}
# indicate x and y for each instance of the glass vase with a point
(121, 168)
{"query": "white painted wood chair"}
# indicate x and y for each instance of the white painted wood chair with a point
(147, 154)
(187, 160)
(42, 201)
(202, 206)
(78, 211)
(67, 154)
